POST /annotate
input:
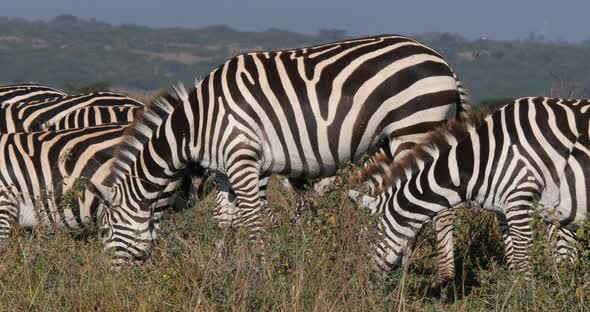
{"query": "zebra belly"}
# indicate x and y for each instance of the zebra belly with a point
(35, 212)
(27, 217)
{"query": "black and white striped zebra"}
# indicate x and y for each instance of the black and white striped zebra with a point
(34, 116)
(27, 92)
(513, 159)
(300, 113)
(92, 116)
(48, 177)
(37, 170)
(96, 116)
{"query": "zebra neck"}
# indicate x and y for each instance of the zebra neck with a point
(430, 187)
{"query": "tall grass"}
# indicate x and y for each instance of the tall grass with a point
(318, 264)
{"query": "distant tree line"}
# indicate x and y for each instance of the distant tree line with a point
(81, 54)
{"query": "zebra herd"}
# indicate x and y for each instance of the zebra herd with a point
(300, 113)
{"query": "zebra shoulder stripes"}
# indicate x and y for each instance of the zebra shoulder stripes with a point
(300, 113)
(514, 158)
(27, 92)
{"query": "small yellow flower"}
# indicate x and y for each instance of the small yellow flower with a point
(332, 220)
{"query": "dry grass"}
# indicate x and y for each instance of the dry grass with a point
(316, 265)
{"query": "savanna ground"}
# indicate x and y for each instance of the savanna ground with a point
(318, 264)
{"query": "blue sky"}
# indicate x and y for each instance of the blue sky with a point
(501, 19)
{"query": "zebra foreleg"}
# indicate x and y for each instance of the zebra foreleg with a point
(226, 213)
(562, 242)
(302, 189)
(8, 217)
(444, 270)
(520, 233)
(244, 176)
(506, 238)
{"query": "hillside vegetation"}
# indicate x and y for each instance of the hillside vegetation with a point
(68, 49)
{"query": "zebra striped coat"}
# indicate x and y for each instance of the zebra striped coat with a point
(48, 178)
(96, 116)
(34, 116)
(38, 170)
(515, 158)
(27, 93)
(300, 113)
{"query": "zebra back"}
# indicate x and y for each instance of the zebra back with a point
(95, 116)
(32, 116)
(27, 92)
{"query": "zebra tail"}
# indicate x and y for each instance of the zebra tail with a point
(463, 99)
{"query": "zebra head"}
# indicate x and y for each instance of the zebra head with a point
(133, 199)
(403, 209)
(392, 249)
(126, 234)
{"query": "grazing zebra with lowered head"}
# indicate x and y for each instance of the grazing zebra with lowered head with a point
(34, 116)
(47, 178)
(300, 113)
(27, 92)
(506, 163)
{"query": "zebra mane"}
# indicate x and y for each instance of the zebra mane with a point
(383, 172)
(137, 134)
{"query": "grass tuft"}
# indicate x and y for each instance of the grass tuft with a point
(319, 263)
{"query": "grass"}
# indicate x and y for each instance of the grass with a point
(318, 264)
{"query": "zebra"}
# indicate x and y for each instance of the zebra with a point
(505, 163)
(34, 116)
(27, 92)
(47, 177)
(95, 116)
(38, 169)
(91, 116)
(300, 113)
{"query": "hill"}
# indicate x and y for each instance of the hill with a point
(69, 49)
